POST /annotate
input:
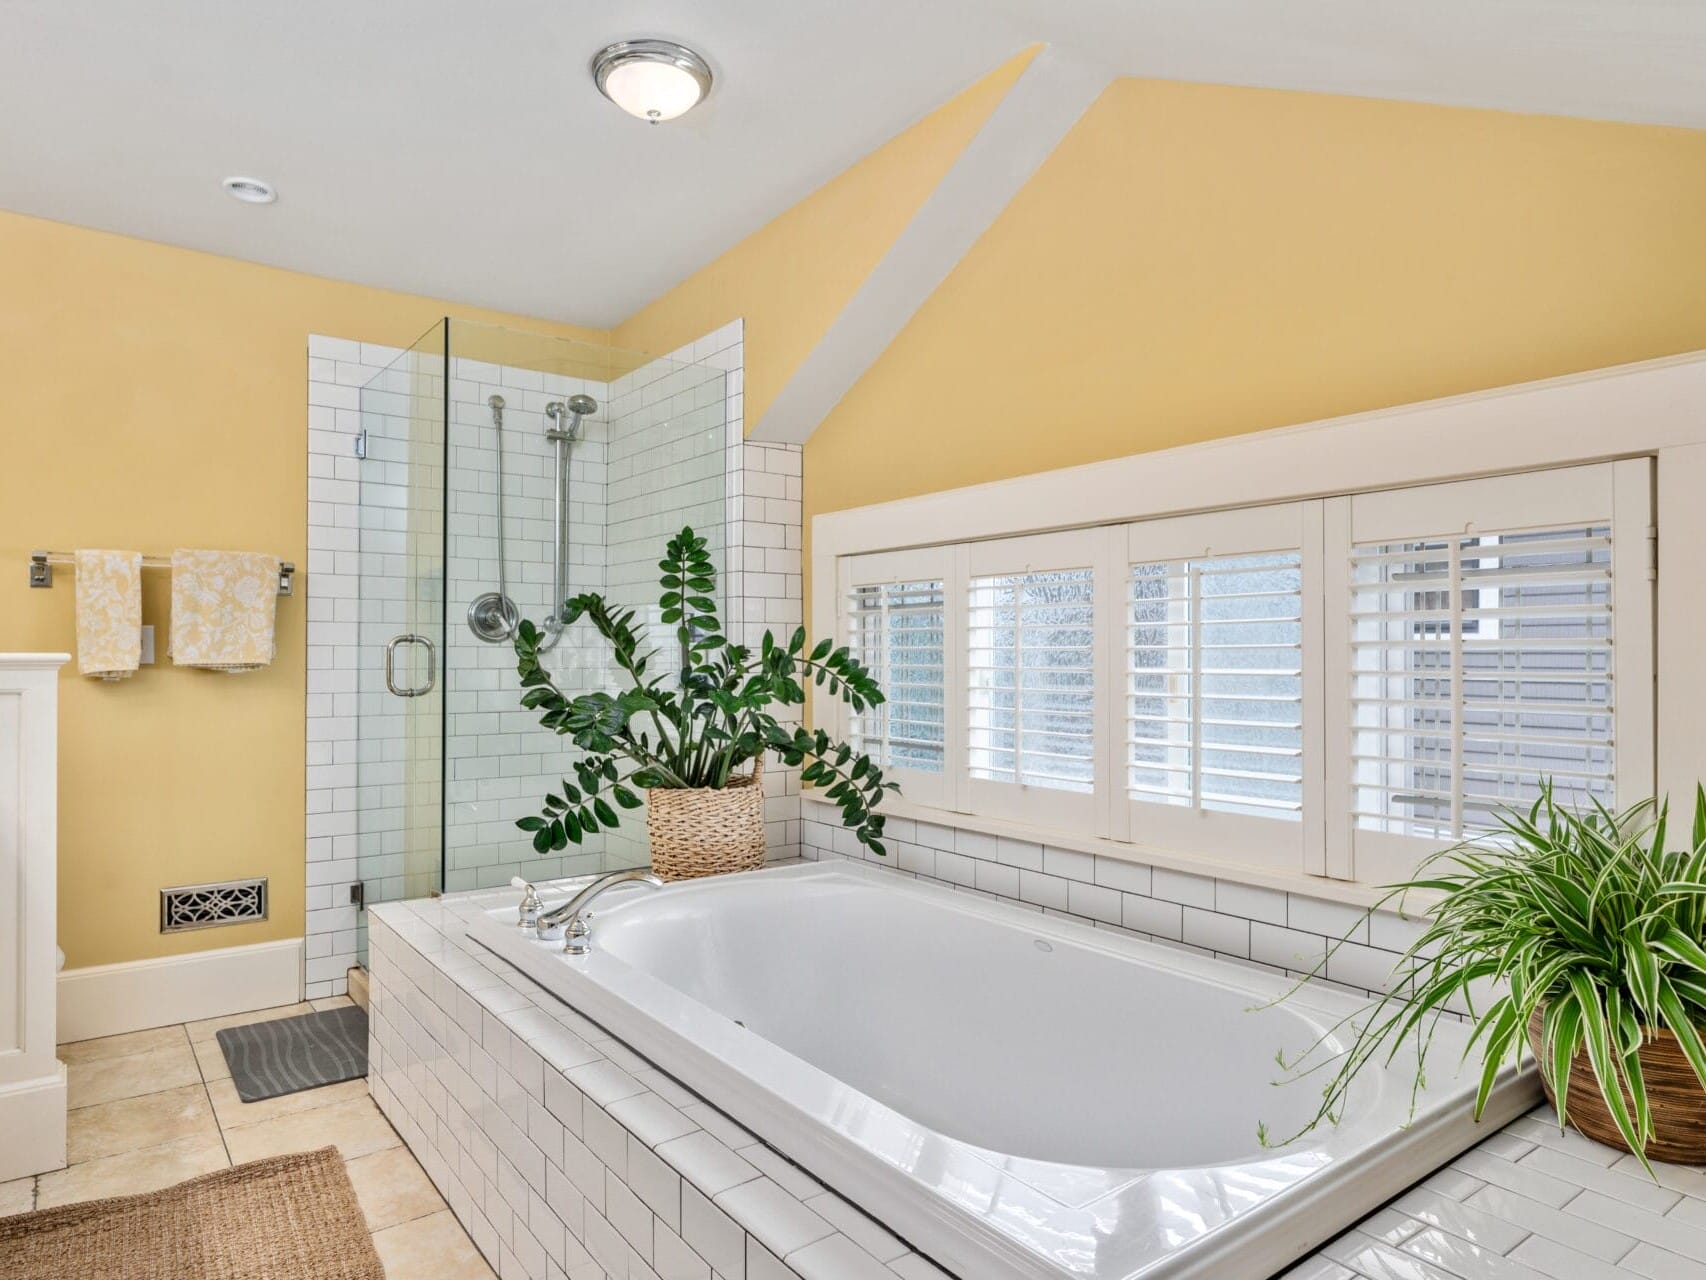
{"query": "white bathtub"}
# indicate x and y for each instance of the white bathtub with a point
(1015, 1095)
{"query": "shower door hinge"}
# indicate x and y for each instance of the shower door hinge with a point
(361, 443)
(358, 895)
(1652, 554)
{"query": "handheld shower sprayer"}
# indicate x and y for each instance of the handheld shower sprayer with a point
(563, 431)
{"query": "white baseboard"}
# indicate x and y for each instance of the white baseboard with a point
(32, 1116)
(108, 999)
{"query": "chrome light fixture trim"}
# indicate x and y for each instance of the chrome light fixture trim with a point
(662, 53)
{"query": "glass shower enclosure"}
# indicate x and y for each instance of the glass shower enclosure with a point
(501, 468)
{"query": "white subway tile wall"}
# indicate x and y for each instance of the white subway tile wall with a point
(1236, 921)
(666, 448)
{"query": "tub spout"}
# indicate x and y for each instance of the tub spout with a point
(572, 916)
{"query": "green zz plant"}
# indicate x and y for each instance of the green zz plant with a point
(697, 726)
(1585, 919)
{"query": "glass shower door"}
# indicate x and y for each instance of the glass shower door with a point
(399, 616)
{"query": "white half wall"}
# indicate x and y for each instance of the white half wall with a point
(1024, 129)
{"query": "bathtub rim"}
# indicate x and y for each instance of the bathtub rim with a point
(1260, 1241)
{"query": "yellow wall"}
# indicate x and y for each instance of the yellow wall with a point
(151, 398)
(1198, 261)
(791, 279)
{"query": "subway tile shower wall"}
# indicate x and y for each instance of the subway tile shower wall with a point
(666, 448)
(1246, 923)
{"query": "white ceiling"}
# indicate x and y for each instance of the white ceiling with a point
(458, 149)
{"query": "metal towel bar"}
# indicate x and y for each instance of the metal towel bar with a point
(42, 562)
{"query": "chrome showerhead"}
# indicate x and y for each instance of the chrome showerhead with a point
(566, 417)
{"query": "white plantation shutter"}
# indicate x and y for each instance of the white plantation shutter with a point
(896, 620)
(1333, 688)
(1031, 679)
(896, 631)
(1213, 721)
(1485, 662)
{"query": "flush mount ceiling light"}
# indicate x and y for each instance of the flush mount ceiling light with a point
(250, 190)
(656, 80)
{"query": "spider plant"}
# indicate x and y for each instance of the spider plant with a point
(1584, 916)
(699, 726)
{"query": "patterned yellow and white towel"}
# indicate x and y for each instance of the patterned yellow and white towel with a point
(223, 608)
(109, 613)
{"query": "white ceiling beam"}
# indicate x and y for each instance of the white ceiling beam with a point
(1023, 130)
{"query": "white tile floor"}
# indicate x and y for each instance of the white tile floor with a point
(153, 1108)
(1531, 1203)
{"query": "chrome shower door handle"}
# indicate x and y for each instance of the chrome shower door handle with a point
(391, 666)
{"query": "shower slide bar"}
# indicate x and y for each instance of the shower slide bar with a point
(42, 562)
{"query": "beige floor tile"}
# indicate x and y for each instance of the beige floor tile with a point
(19, 1196)
(233, 1112)
(134, 1172)
(434, 1248)
(207, 1028)
(392, 1188)
(171, 1066)
(211, 1059)
(112, 1128)
(131, 1042)
(356, 1127)
(331, 1002)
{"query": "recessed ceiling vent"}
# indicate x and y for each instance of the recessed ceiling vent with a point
(202, 906)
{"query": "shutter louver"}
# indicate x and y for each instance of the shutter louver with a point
(897, 630)
(1031, 679)
(1214, 711)
(1481, 666)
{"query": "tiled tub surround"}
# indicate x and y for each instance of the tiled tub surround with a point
(1033, 1145)
(567, 1155)
(647, 1173)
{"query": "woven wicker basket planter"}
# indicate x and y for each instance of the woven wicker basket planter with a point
(701, 831)
(1673, 1091)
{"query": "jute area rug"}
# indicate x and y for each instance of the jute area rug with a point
(291, 1217)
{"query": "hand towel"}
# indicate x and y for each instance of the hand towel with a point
(224, 605)
(109, 613)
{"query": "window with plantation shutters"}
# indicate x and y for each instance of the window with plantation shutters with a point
(1032, 694)
(1334, 688)
(1214, 712)
(896, 620)
(1031, 671)
(1487, 663)
(896, 629)
(1215, 716)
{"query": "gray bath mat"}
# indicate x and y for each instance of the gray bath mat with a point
(288, 1055)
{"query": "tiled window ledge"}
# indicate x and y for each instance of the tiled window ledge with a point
(565, 1154)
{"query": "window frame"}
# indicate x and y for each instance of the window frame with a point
(1617, 494)
(1075, 811)
(1325, 841)
(1650, 411)
(1270, 844)
(887, 568)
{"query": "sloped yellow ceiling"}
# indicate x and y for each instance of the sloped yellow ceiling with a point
(1197, 261)
(791, 278)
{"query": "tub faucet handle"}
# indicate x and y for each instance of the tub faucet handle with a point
(575, 936)
(527, 915)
